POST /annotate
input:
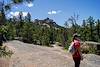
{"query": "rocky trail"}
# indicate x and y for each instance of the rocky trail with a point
(29, 55)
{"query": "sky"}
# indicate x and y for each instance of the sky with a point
(58, 10)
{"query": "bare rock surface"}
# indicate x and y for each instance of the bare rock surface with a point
(30, 55)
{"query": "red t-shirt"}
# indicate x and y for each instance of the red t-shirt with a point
(76, 45)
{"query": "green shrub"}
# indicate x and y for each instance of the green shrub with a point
(67, 46)
(88, 49)
(5, 52)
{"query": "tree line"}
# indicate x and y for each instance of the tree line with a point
(46, 31)
(41, 32)
(89, 30)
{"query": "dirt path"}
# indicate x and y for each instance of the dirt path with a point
(29, 55)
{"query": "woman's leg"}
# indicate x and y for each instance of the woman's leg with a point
(77, 62)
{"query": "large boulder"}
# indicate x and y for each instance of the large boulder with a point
(90, 47)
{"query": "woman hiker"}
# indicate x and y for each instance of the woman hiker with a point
(77, 55)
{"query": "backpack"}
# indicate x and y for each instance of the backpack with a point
(71, 48)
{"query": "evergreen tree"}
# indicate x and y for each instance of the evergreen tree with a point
(90, 22)
(98, 29)
(28, 17)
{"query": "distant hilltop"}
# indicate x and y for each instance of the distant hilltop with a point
(47, 22)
